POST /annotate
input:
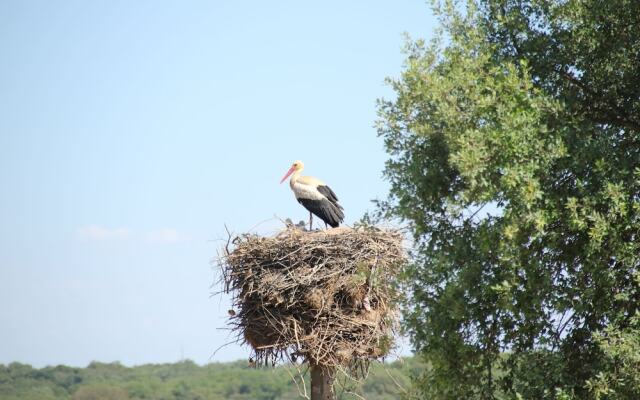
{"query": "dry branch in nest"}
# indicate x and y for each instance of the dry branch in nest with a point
(324, 297)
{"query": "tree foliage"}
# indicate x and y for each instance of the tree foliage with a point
(515, 160)
(186, 381)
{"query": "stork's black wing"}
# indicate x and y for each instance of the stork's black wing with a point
(331, 213)
(329, 194)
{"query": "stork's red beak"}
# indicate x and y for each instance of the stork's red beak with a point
(287, 174)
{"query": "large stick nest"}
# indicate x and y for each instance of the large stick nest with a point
(324, 297)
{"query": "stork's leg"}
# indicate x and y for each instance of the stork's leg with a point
(310, 221)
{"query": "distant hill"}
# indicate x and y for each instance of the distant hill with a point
(184, 381)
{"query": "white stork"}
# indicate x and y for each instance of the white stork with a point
(315, 196)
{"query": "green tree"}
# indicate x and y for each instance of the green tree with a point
(100, 392)
(515, 160)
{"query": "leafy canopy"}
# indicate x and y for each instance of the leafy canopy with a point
(514, 158)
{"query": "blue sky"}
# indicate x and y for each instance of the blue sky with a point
(132, 131)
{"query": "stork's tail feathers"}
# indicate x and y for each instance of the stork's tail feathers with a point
(336, 215)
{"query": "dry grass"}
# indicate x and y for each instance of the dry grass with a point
(303, 296)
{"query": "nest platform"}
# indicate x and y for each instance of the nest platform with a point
(324, 297)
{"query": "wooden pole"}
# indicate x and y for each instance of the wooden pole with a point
(322, 383)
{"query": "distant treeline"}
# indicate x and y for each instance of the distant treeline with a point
(186, 381)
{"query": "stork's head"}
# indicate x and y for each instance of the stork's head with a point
(296, 166)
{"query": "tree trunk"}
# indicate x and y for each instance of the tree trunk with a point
(322, 383)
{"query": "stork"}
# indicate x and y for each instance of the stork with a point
(315, 196)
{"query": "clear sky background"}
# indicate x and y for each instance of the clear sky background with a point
(132, 131)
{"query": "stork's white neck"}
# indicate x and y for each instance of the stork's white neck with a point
(294, 178)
